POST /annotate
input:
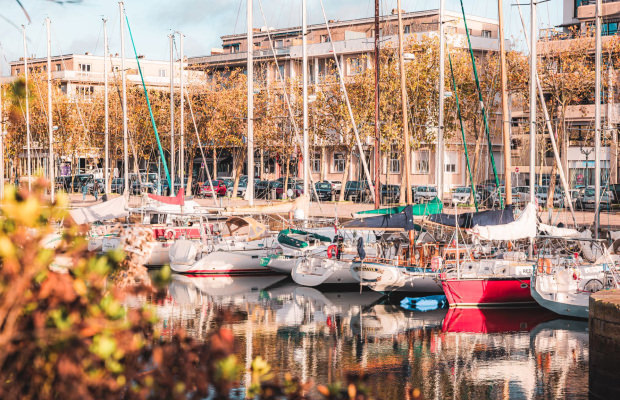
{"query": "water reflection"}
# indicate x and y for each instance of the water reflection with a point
(324, 334)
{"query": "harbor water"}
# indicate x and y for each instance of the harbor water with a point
(324, 335)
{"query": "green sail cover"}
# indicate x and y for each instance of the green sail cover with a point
(285, 238)
(434, 206)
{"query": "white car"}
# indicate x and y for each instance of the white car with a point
(462, 195)
(424, 194)
(588, 198)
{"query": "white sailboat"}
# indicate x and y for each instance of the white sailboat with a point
(238, 250)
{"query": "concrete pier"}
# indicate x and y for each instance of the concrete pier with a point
(605, 345)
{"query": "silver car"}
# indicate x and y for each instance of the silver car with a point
(606, 198)
(424, 194)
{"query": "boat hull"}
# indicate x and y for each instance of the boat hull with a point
(226, 262)
(575, 305)
(494, 291)
(316, 271)
(387, 278)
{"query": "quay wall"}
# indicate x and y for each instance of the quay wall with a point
(604, 351)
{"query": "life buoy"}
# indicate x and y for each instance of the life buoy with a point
(332, 251)
(169, 234)
(544, 264)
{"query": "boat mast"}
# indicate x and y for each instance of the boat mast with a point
(505, 113)
(50, 127)
(182, 119)
(124, 86)
(377, 136)
(597, 119)
(172, 150)
(29, 161)
(403, 96)
(106, 128)
(440, 129)
(304, 78)
(249, 191)
(533, 35)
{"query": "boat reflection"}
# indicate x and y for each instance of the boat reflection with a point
(324, 335)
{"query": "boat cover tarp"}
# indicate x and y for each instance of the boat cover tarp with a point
(400, 221)
(522, 228)
(557, 231)
(434, 206)
(108, 210)
(178, 200)
(469, 220)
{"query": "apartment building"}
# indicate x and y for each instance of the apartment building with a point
(353, 41)
(577, 153)
(83, 74)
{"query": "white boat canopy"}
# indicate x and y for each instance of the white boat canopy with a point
(523, 227)
(108, 210)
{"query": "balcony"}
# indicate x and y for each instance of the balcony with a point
(586, 9)
(237, 58)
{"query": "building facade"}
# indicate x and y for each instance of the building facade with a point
(353, 41)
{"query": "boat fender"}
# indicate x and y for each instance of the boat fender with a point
(169, 234)
(576, 274)
(332, 251)
(544, 265)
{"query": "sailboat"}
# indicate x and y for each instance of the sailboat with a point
(297, 244)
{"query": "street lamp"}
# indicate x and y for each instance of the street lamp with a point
(587, 154)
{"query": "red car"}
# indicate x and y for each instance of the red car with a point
(218, 186)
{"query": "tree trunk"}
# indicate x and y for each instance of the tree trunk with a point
(477, 149)
(190, 173)
(345, 173)
(240, 158)
(286, 176)
(214, 175)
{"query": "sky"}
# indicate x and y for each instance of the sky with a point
(76, 25)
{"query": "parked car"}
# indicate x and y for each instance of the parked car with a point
(356, 191)
(243, 186)
(218, 187)
(81, 180)
(390, 193)
(542, 194)
(424, 193)
(606, 198)
(462, 195)
(521, 195)
(502, 193)
(323, 190)
(117, 185)
(615, 190)
(261, 189)
(336, 186)
(100, 186)
(296, 189)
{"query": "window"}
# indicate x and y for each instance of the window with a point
(58, 67)
(407, 29)
(84, 67)
(279, 44)
(471, 32)
(17, 71)
(325, 39)
(394, 160)
(85, 91)
(234, 48)
(421, 162)
(451, 162)
(280, 74)
(355, 66)
(315, 162)
(338, 162)
(486, 34)
(162, 73)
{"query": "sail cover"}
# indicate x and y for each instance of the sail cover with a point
(112, 209)
(432, 207)
(388, 222)
(557, 231)
(522, 228)
(179, 200)
(469, 220)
